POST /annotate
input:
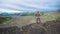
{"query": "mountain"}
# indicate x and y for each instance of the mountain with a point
(29, 13)
(9, 14)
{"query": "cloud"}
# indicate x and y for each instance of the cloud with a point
(30, 5)
(9, 11)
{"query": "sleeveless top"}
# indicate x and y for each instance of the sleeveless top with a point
(37, 15)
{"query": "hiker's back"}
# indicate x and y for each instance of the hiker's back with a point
(37, 15)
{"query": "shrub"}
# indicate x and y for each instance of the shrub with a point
(58, 18)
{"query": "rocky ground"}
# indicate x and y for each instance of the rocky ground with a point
(10, 30)
(50, 27)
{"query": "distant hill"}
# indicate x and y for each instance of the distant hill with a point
(29, 13)
(10, 14)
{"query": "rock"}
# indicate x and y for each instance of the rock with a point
(10, 30)
(38, 30)
(53, 27)
(26, 28)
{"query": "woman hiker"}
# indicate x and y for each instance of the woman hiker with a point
(37, 15)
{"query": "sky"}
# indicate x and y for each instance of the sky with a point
(11, 6)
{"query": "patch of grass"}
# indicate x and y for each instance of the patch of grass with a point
(4, 19)
(58, 18)
(50, 16)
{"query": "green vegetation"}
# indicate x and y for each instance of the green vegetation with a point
(50, 16)
(58, 18)
(27, 14)
(30, 14)
(4, 19)
(0, 14)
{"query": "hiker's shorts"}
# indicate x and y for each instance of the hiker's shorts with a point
(38, 20)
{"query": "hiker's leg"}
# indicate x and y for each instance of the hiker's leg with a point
(36, 20)
(39, 20)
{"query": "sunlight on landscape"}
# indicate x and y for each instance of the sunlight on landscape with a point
(29, 16)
